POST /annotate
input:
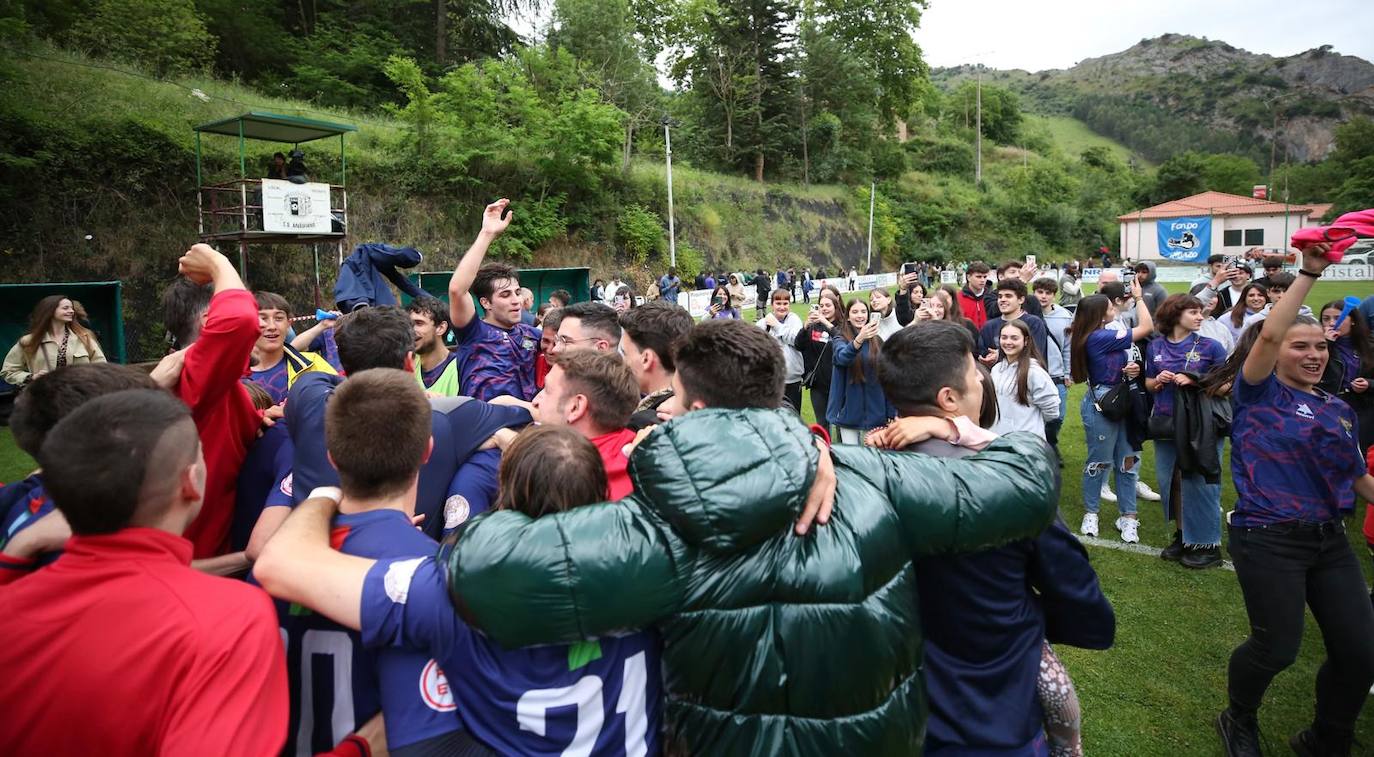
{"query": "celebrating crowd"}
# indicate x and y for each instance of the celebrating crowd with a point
(602, 528)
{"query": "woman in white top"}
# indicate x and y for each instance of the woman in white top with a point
(55, 338)
(880, 302)
(1250, 308)
(1026, 397)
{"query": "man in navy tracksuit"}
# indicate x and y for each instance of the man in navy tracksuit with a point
(987, 615)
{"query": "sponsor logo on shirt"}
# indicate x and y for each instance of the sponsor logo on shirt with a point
(434, 689)
(456, 511)
(286, 484)
(1304, 411)
(396, 582)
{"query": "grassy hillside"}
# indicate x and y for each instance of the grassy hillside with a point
(1073, 137)
(101, 149)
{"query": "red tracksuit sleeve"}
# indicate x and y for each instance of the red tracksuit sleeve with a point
(234, 699)
(219, 357)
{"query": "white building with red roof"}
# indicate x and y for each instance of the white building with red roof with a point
(1212, 223)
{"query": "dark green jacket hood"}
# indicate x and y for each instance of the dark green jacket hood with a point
(773, 643)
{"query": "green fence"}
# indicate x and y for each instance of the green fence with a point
(103, 301)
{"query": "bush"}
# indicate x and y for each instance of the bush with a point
(169, 36)
(640, 233)
(536, 223)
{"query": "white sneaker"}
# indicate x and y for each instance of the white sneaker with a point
(1089, 527)
(1107, 494)
(1143, 491)
(1129, 528)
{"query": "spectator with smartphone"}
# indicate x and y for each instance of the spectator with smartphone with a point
(813, 341)
(857, 402)
(721, 306)
(911, 293)
(1099, 359)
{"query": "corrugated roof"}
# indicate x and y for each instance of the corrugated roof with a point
(1217, 204)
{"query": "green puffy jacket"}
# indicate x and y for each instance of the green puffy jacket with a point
(773, 643)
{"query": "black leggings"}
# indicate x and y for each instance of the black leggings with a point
(820, 400)
(1281, 568)
(793, 394)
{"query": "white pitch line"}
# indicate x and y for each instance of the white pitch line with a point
(1140, 549)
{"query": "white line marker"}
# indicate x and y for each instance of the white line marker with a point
(1140, 549)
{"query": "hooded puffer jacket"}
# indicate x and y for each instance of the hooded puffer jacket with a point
(773, 644)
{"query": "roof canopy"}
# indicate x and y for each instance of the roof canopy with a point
(274, 127)
(1218, 204)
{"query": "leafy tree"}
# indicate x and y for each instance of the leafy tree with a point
(877, 35)
(168, 36)
(605, 38)
(1001, 111)
(1235, 174)
(1179, 176)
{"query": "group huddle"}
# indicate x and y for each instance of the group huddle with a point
(610, 533)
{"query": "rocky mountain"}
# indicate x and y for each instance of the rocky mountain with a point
(1176, 92)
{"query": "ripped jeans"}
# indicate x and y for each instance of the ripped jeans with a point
(1108, 447)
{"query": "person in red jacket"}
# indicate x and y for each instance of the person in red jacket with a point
(169, 660)
(595, 393)
(976, 294)
(214, 319)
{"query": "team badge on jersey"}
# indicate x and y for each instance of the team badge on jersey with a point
(396, 582)
(456, 511)
(1349, 429)
(286, 484)
(434, 689)
(527, 344)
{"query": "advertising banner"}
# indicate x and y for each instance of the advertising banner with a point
(1184, 240)
(289, 208)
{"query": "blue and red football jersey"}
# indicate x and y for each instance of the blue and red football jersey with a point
(473, 489)
(598, 697)
(1294, 455)
(22, 503)
(337, 684)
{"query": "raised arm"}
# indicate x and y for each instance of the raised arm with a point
(565, 576)
(1145, 323)
(1008, 491)
(1260, 362)
(460, 307)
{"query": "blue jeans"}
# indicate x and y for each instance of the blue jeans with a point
(1108, 447)
(1200, 511)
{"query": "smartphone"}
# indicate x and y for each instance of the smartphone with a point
(1030, 261)
(1128, 275)
(908, 268)
(814, 306)
(874, 317)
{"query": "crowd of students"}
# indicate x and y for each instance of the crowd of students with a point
(667, 559)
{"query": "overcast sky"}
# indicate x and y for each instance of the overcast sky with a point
(1040, 34)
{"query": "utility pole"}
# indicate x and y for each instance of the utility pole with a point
(872, 195)
(978, 132)
(668, 156)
